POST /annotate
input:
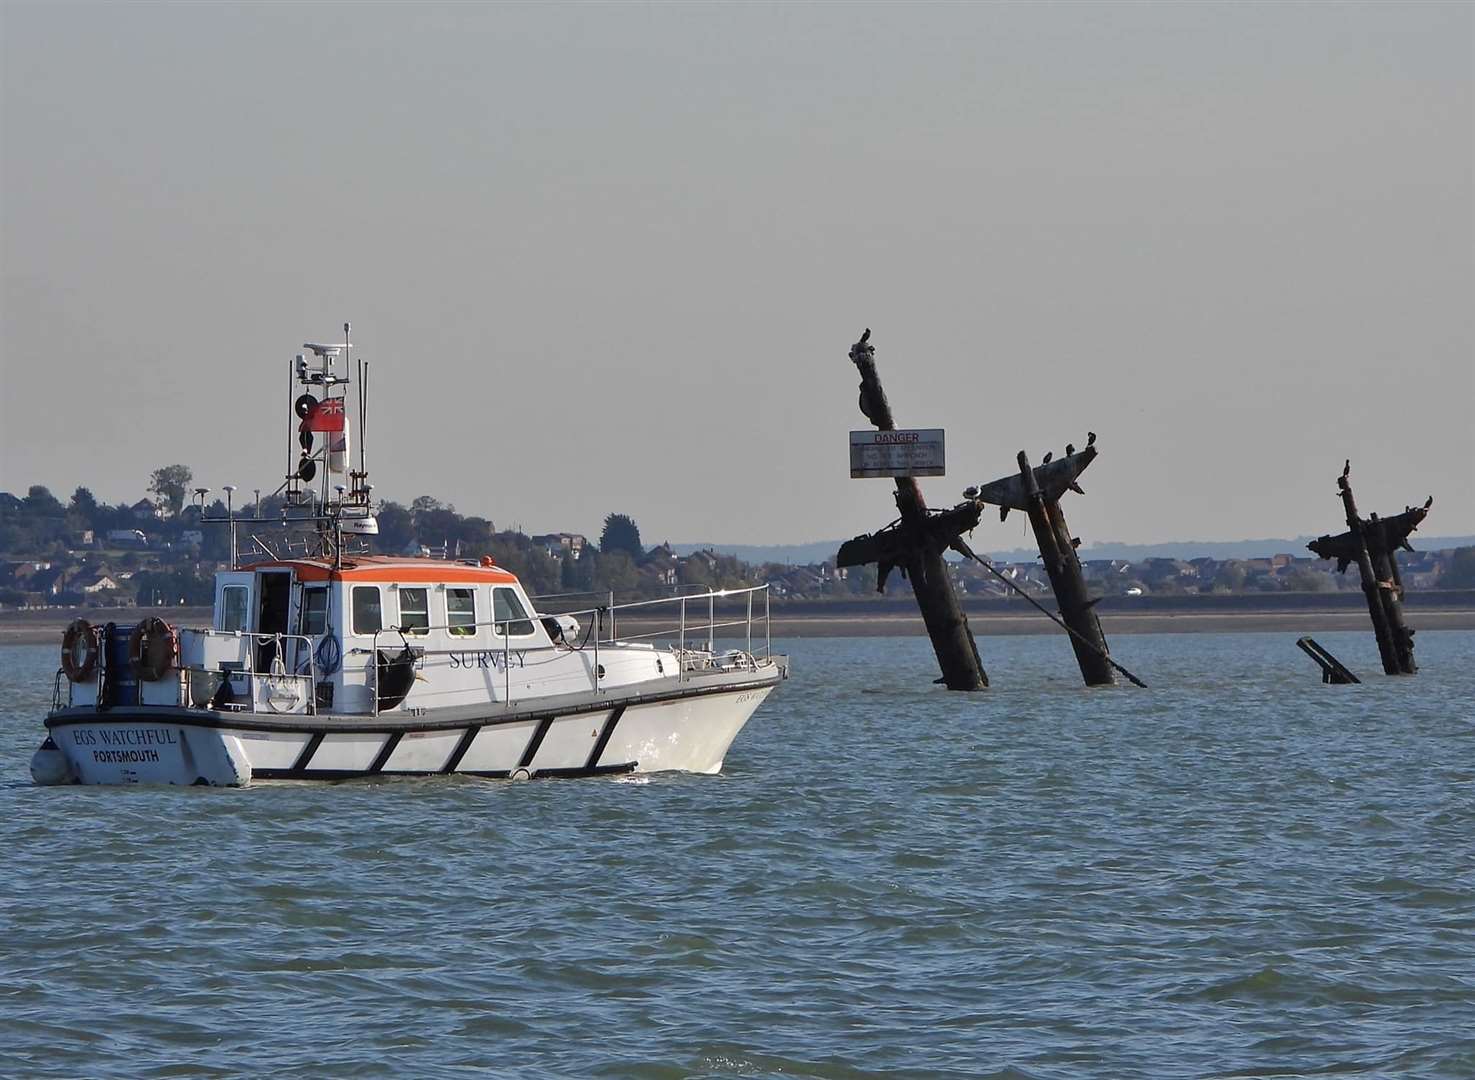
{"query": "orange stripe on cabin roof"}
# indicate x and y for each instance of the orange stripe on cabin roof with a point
(434, 573)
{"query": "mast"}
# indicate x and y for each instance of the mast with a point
(311, 387)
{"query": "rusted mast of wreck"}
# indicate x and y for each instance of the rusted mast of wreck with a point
(1037, 491)
(916, 545)
(1373, 546)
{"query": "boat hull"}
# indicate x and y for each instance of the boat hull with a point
(688, 729)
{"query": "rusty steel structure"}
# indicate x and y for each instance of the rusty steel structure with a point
(1372, 543)
(915, 543)
(1037, 492)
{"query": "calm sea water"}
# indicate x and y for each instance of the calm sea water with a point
(1239, 872)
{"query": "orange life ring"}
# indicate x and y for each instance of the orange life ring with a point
(151, 649)
(79, 650)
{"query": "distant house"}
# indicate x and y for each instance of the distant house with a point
(131, 538)
(144, 510)
(47, 583)
(557, 545)
(18, 574)
(1105, 569)
(1161, 572)
(92, 582)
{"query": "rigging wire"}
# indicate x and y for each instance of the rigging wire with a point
(964, 549)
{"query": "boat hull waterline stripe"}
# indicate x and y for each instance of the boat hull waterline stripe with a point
(485, 774)
(604, 734)
(392, 721)
(535, 742)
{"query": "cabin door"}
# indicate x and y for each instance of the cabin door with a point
(311, 620)
(274, 604)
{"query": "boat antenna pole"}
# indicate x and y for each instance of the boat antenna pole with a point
(363, 373)
(293, 366)
(230, 513)
(327, 436)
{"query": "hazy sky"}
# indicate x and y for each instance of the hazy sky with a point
(611, 257)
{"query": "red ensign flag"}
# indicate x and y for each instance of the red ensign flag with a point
(325, 416)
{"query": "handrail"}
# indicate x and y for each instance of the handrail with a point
(719, 594)
(663, 633)
(280, 640)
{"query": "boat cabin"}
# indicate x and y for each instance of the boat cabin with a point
(330, 621)
(370, 635)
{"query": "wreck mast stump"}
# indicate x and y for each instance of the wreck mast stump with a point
(1037, 492)
(1390, 592)
(1063, 567)
(916, 544)
(1369, 580)
(1373, 545)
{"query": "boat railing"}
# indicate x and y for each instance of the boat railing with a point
(686, 624)
(684, 621)
(282, 682)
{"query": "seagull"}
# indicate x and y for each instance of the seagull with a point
(1070, 448)
(1090, 438)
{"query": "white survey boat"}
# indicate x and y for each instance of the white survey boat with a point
(325, 662)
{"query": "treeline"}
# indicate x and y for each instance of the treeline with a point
(175, 556)
(618, 561)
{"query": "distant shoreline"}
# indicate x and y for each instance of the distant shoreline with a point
(1288, 613)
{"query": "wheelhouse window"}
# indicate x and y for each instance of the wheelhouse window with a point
(511, 618)
(314, 612)
(233, 607)
(461, 612)
(368, 610)
(414, 611)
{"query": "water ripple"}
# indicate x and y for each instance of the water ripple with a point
(1239, 873)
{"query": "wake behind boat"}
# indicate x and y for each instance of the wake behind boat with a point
(325, 662)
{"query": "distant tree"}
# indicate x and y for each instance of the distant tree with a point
(1459, 572)
(182, 585)
(1305, 579)
(1231, 576)
(621, 534)
(41, 502)
(84, 503)
(474, 534)
(568, 571)
(617, 572)
(169, 484)
(425, 504)
(396, 528)
(695, 572)
(437, 527)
